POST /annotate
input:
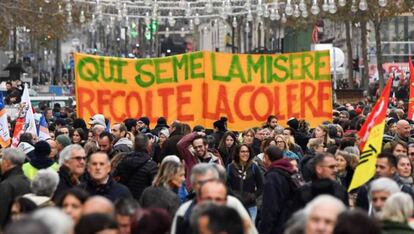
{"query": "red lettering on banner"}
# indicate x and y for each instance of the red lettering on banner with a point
(291, 98)
(164, 94)
(205, 113)
(183, 100)
(237, 98)
(276, 100)
(113, 103)
(306, 98)
(103, 99)
(85, 103)
(268, 95)
(129, 98)
(323, 94)
(148, 106)
(222, 105)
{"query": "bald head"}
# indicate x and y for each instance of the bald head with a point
(403, 128)
(98, 204)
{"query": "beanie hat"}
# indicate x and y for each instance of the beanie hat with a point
(162, 122)
(198, 128)
(165, 132)
(293, 123)
(145, 120)
(63, 140)
(42, 148)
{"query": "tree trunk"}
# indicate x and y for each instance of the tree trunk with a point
(349, 50)
(377, 28)
(364, 49)
(58, 64)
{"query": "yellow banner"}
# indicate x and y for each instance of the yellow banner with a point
(200, 87)
(365, 169)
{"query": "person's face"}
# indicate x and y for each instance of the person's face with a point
(99, 167)
(76, 163)
(280, 143)
(319, 149)
(378, 199)
(273, 123)
(213, 192)
(266, 134)
(64, 131)
(403, 129)
(8, 86)
(141, 124)
(115, 131)
(248, 138)
(244, 154)
(178, 179)
(266, 161)
(411, 154)
(321, 220)
(104, 144)
(199, 148)
(384, 169)
(399, 150)
(162, 138)
(200, 179)
(404, 167)
(229, 141)
(90, 136)
(53, 148)
(76, 138)
(343, 117)
(295, 165)
(287, 133)
(124, 224)
(319, 133)
(260, 135)
(341, 162)
(52, 135)
(203, 223)
(49, 114)
(73, 207)
(327, 169)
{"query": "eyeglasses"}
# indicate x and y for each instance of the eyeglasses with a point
(330, 166)
(79, 158)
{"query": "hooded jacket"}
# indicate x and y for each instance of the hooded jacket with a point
(277, 191)
(136, 171)
(123, 145)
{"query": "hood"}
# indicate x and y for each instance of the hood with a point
(38, 200)
(283, 164)
(124, 141)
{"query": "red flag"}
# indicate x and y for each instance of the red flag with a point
(410, 113)
(377, 115)
(18, 130)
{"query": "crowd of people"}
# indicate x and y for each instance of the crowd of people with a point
(131, 178)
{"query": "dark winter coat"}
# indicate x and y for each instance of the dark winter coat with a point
(14, 183)
(66, 182)
(136, 171)
(111, 190)
(277, 191)
(245, 183)
(160, 197)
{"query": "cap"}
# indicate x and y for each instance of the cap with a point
(63, 140)
(97, 119)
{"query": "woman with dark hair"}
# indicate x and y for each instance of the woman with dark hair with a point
(322, 132)
(79, 137)
(71, 202)
(164, 190)
(20, 207)
(227, 146)
(245, 179)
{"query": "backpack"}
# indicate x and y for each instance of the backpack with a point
(295, 181)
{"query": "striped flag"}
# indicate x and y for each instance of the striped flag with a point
(4, 127)
(43, 129)
(371, 133)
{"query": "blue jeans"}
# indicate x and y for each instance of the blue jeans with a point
(253, 213)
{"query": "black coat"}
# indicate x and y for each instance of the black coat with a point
(111, 190)
(136, 171)
(277, 192)
(14, 183)
(170, 146)
(160, 197)
(245, 183)
(66, 182)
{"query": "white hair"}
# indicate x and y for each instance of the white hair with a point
(325, 200)
(66, 153)
(398, 208)
(171, 158)
(14, 156)
(56, 220)
(45, 182)
(383, 184)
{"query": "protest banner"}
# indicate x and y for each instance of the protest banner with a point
(200, 87)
